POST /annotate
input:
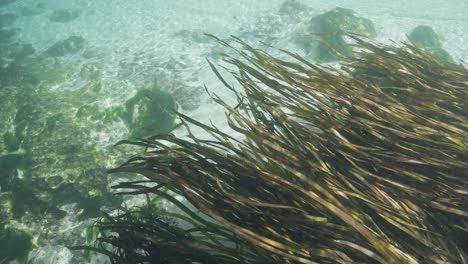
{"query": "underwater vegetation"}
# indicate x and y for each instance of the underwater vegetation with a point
(366, 163)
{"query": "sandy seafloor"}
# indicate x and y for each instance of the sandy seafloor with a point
(137, 41)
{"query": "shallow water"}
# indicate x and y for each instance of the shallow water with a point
(66, 107)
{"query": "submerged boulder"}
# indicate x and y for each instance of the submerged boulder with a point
(5, 2)
(68, 46)
(33, 10)
(150, 112)
(292, 8)
(7, 20)
(331, 26)
(17, 51)
(15, 245)
(424, 37)
(6, 35)
(64, 15)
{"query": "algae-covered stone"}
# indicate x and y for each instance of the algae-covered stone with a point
(5, 2)
(151, 112)
(15, 245)
(88, 110)
(331, 26)
(33, 10)
(32, 70)
(22, 51)
(292, 8)
(6, 35)
(424, 37)
(50, 125)
(68, 46)
(9, 165)
(7, 20)
(17, 51)
(114, 114)
(194, 36)
(188, 97)
(106, 115)
(46, 70)
(90, 72)
(64, 15)
(11, 141)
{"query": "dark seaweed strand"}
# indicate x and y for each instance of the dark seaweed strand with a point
(363, 164)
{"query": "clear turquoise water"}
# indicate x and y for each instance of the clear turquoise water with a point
(60, 156)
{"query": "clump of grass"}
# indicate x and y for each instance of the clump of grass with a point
(149, 234)
(366, 163)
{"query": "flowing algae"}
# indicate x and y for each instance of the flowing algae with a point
(366, 164)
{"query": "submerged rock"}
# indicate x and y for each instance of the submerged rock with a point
(7, 20)
(15, 245)
(68, 46)
(292, 8)
(34, 10)
(188, 97)
(64, 15)
(17, 51)
(149, 112)
(424, 37)
(193, 36)
(5, 2)
(6, 35)
(330, 27)
(11, 141)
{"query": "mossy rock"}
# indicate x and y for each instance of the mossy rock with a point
(17, 51)
(331, 26)
(33, 70)
(194, 36)
(50, 125)
(9, 164)
(14, 74)
(33, 11)
(424, 37)
(114, 114)
(22, 51)
(90, 72)
(11, 141)
(45, 70)
(107, 115)
(292, 8)
(6, 214)
(6, 35)
(7, 20)
(24, 198)
(64, 15)
(87, 111)
(6, 2)
(149, 113)
(15, 245)
(89, 190)
(65, 47)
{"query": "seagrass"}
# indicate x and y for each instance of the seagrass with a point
(366, 163)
